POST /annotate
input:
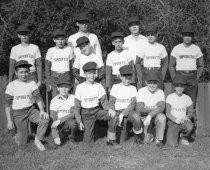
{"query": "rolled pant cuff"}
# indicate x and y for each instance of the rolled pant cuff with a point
(138, 131)
(111, 135)
(39, 137)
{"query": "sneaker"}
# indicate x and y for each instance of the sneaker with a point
(114, 144)
(39, 144)
(158, 143)
(57, 141)
(185, 142)
(138, 139)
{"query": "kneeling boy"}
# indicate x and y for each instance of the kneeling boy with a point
(61, 111)
(179, 110)
(89, 96)
(20, 94)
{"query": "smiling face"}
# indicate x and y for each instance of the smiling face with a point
(118, 43)
(134, 28)
(24, 36)
(152, 85)
(179, 89)
(22, 73)
(60, 41)
(90, 75)
(126, 79)
(85, 48)
(151, 36)
(64, 89)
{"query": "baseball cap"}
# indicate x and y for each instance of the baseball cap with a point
(89, 66)
(22, 63)
(82, 40)
(58, 32)
(152, 76)
(179, 80)
(82, 17)
(151, 28)
(64, 80)
(187, 28)
(116, 34)
(23, 28)
(133, 19)
(126, 70)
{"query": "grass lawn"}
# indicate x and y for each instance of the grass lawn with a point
(99, 156)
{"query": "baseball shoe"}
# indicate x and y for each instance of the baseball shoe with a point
(184, 141)
(57, 141)
(159, 143)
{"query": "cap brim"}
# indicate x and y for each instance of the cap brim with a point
(24, 65)
(25, 30)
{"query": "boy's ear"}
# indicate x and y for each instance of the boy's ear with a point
(77, 23)
(16, 72)
(54, 40)
(18, 35)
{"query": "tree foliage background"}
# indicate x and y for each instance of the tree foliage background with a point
(106, 16)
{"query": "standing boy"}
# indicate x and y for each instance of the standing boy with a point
(58, 61)
(116, 59)
(83, 21)
(153, 56)
(28, 52)
(86, 56)
(89, 98)
(179, 110)
(150, 105)
(20, 95)
(123, 101)
(61, 111)
(187, 60)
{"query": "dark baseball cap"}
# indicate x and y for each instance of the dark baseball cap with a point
(23, 28)
(126, 70)
(82, 40)
(64, 80)
(89, 66)
(59, 32)
(133, 19)
(179, 80)
(22, 63)
(152, 76)
(82, 17)
(188, 28)
(151, 28)
(116, 35)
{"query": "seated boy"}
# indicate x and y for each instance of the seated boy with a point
(89, 98)
(61, 111)
(86, 56)
(116, 59)
(123, 101)
(150, 105)
(58, 61)
(179, 110)
(20, 94)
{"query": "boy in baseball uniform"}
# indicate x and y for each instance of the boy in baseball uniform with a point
(21, 95)
(91, 104)
(150, 105)
(28, 52)
(61, 111)
(187, 60)
(179, 110)
(153, 56)
(83, 22)
(123, 101)
(116, 59)
(58, 61)
(86, 56)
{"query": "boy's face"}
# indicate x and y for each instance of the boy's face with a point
(83, 26)
(90, 75)
(126, 79)
(85, 49)
(187, 38)
(63, 89)
(24, 36)
(179, 89)
(60, 41)
(118, 44)
(22, 73)
(151, 36)
(134, 28)
(152, 85)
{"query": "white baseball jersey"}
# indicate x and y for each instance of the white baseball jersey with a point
(186, 56)
(152, 54)
(149, 99)
(61, 105)
(179, 104)
(134, 45)
(22, 93)
(118, 59)
(81, 60)
(59, 58)
(89, 94)
(93, 41)
(29, 53)
(123, 95)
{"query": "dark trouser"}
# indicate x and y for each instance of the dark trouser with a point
(192, 85)
(54, 79)
(65, 127)
(135, 119)
(145, 72)
(89, 117)
(175, 129)
(21, 118)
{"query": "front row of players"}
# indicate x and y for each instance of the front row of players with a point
(144, 109)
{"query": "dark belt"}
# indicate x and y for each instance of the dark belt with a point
(90, 109)
(152, 68)
(187, 71)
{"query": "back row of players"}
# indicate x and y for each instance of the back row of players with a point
(145, 58)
